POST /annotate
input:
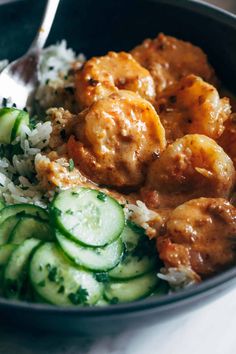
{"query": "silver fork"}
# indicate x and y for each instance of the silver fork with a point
(19, 79)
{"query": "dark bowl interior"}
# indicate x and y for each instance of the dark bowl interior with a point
(94, 27)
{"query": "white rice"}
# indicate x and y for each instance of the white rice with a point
(22, 168)
(54, 81)
(178, 278)
(18, 183)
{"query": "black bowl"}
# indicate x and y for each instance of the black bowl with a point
(94, 27)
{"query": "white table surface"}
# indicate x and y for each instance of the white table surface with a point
(209, 330)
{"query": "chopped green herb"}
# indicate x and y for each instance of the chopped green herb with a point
(101, 277)
(74, 193)
(42, 283)
(47, 82)
(61, 290)
(69, 212)
(79, 297)
(4, 102)
(50, 68)
(102, 196)
(71, 165)
(65, 77)
(52, 274)
(48, 266)
(114, 301)
(33, 122)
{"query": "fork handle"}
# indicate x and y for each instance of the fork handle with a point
(45, 27)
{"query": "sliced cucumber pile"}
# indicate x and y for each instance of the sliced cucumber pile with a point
(82, 253)
(11, 123)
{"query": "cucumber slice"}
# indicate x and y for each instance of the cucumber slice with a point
(21, 120)
(23, 209)
(8, 118)
(98, 259)
(131, 290)
(6, 228)
(5, 253)
(140, 256)
(56, 280)
(28, 227)
(2, 204)
(88, 216)
(16, 269)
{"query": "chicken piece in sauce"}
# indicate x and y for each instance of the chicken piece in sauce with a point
(193, 166)
(192, 106)
(116, 138)
(168, 59)
(200, 234)
(102, 76)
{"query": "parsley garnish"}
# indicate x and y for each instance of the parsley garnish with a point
(71, 165)
(4, 102)
(102, 196)
(53, 274)
(61, 290)
(69, 212)
(42, 283)
(101, 277)
(33, 122)
(78, 297)
(114, 301)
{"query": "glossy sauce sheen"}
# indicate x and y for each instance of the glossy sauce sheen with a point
(154, 123)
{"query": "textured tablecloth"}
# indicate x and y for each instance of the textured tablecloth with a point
(210, 330)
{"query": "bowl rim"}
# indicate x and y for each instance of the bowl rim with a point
(205, 288)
